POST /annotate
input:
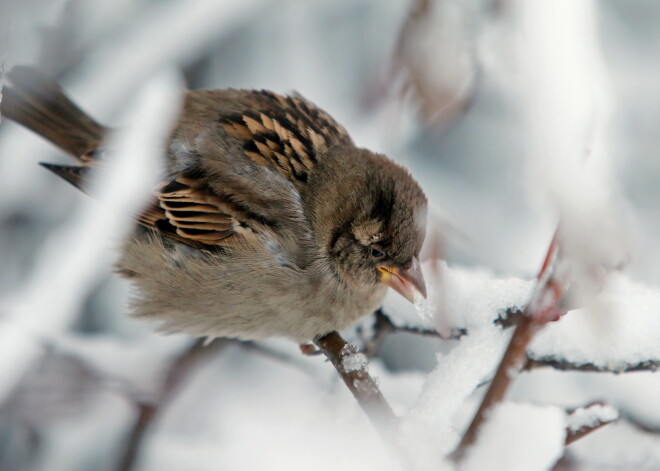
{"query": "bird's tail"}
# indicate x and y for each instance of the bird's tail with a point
(37, 102)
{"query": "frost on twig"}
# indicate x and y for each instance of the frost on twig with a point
(384, 326)
(352, 367)
(566, 365)
(583, 421)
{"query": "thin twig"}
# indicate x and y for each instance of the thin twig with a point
(352, 367)
(567, 462)
(574, 435)
(384, 326)
(148, 411)
(566, 365)
(455, 333)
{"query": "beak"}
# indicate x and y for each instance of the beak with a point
(405, 282)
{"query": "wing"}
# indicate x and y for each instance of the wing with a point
(191, 209)
(187, 210)
(184, 208)
(284, 136)
(286, 133)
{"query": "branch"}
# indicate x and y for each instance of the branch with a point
(383, 326)
(542, 308)
(352, 366)
(180, 367)
(566, 365)
(589, 419)
(440, 101)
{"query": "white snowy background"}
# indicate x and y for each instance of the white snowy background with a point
(513, 115)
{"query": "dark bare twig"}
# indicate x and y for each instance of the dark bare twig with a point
(281, 357)
(352, 368)
(148, 411)
(455, 333)
(509, 317)
(384, 326)
(567, 462)
(565, 365)
(146, 414)
(573, 435)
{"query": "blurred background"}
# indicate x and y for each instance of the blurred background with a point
(434, 84)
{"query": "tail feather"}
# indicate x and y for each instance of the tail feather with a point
(72, 174)
(38, 103)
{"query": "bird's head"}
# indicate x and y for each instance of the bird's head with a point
(381, 229)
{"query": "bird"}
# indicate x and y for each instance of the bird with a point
(268, 220)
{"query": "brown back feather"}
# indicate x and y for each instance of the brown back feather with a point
(287, 133)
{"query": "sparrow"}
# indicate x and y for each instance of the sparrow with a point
(268, 220)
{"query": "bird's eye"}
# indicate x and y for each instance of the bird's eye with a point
(377, 253)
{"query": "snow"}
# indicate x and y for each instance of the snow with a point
(480, 297)
(568, 100)
(264, 415)
(351, 360)
(474, 299)
(518, 437)
(425, 307)
(614, 332)
(591, 416)
(621, 444)
(455, 378)
(620, 328)
(633, 394)
(470, 297)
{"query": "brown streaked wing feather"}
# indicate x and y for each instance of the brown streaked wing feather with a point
(188, 210)
(154, 218)
(287, 133)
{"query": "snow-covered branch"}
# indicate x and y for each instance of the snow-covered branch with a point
(352, 367)
(583, 421)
